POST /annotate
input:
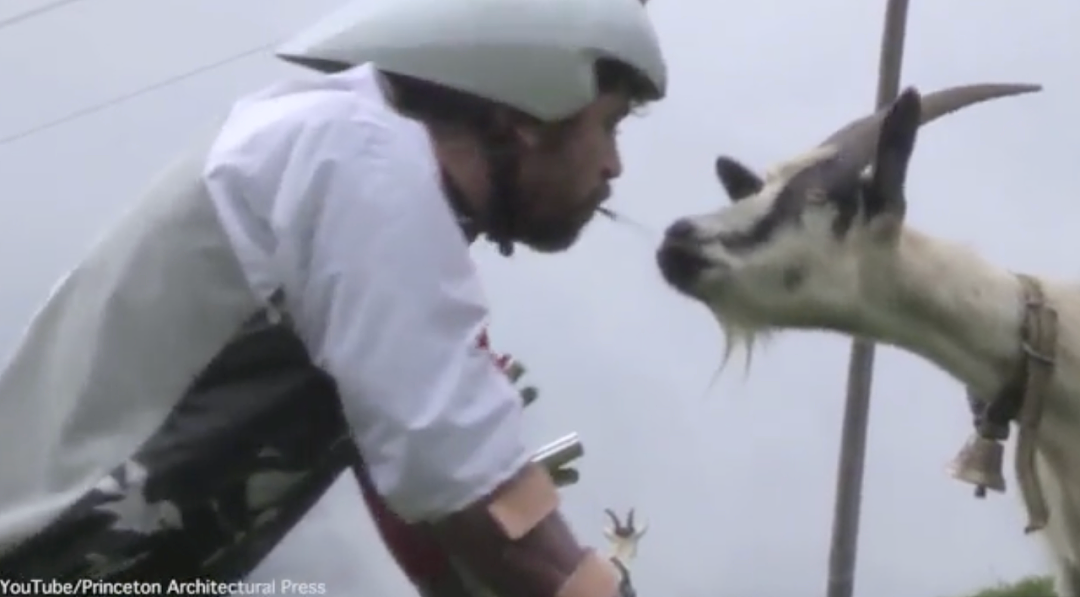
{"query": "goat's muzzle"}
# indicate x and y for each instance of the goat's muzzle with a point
(680, 258)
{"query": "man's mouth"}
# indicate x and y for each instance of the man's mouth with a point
(603, 194)
(599, 198)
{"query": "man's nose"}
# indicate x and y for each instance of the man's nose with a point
(613, 164)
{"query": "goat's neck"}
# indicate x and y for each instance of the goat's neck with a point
(625, 549)
(947, 304)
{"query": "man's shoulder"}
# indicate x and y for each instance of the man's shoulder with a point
(349, 109)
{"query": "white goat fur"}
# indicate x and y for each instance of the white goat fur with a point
(890, 283)
(624, 548)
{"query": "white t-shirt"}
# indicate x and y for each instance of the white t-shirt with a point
(332, 197)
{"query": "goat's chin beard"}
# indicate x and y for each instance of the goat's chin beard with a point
(742, 335)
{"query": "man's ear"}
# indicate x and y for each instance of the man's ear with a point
(528, 135)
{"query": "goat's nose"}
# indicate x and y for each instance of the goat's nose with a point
(680, 264)
(682, 229)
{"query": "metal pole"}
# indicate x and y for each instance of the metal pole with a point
(849, 477)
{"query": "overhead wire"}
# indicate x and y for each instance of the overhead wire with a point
(35, 12)
(118, 99)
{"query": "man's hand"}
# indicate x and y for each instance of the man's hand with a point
(563, 474)
(515, 370)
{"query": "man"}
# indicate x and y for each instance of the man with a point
(295, 297)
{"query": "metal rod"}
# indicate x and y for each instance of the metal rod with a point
(560, 452)
(849, 476)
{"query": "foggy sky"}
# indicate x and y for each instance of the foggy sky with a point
(737, 478)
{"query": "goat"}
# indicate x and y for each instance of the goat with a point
(820, 243)
(624, 538)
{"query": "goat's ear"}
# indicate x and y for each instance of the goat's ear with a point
(883, 193)
(738, 180)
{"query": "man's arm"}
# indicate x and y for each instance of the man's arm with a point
(380, 283)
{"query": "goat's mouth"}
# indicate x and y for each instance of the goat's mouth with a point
(684, 266)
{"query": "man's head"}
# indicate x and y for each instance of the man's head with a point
(565, 169)
(530, 92)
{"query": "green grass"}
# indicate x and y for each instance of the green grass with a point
(1035, 586)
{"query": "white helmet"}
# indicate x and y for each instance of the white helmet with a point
(536, 56)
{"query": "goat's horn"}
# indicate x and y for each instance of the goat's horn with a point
(858, 139)
(630, 519)
(614, 519)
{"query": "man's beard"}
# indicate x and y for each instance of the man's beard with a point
(555, 235)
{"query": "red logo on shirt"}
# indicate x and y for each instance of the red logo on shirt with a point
(484, 343)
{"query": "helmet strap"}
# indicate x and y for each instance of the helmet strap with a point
(465, 217)
(503, 160)
(501, 151)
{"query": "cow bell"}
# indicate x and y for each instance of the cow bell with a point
(979, 463)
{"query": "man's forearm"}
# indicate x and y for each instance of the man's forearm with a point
(515, 542)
